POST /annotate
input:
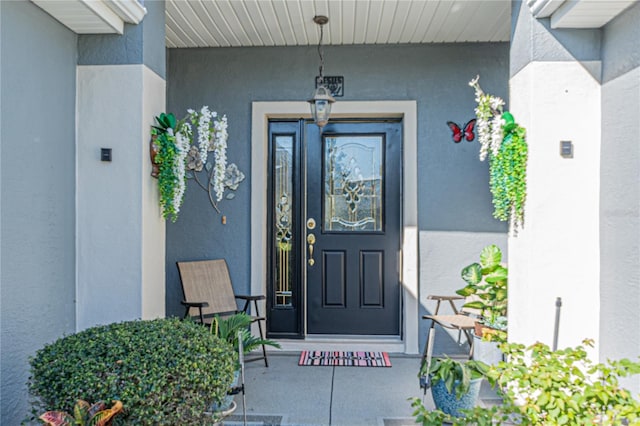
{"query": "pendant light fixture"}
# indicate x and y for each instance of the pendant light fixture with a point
(322, 99)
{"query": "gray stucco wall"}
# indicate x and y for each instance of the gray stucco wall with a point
(153, 28)
(620, 44)
(533, 40)
(616, 47)
(38, 185)
(620, 190)
(140, 44)
(453, 193)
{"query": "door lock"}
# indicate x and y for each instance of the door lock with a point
(311, 240)
(311, 223)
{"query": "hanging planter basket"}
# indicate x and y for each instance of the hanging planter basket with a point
(154, 149)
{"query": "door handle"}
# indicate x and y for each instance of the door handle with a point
(311, 240)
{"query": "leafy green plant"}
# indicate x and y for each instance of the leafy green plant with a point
(84, 414)
(487, 282)
(508, 173)
(447, 378)
(456, 375)
(164, 141)
(232, 327)
(542, 387)
(564, 387)
(479, 416)
(164, 371)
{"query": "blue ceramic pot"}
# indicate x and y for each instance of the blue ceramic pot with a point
(449, 404)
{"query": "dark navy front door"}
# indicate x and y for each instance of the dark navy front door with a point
(334, 228)
(353, 228)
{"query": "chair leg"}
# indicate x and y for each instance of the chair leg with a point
(264, 349)
(428, 345)
(470, 340)
(425, 382)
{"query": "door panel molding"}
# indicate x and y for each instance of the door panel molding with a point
(372, 273)
(407, 110)
(334, 279)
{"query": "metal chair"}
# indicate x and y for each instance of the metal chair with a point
(208, 292)
(462, 320)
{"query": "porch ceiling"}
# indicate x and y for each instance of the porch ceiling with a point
(222, 23)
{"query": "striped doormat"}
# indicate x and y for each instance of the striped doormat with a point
(344, 358)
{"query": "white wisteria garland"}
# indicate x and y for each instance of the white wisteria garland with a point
(220, 155)
(189, 158)
(182, 148)
(489, 120)
(203, 119)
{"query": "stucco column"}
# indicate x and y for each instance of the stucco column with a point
(120, 231)
(555, 94)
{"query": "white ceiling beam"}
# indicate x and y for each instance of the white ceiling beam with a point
(131, 11)
(94, 16)
(544, 8)
(588, 13)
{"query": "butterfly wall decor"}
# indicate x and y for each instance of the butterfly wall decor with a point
(466, 132)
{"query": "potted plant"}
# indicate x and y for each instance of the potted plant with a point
(233, 329)
(236, 326)
(486, 291)
(487, 285)
(455, 385)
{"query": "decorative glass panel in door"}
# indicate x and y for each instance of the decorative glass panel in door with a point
(284, 295)
(283, 197)
(353, 183)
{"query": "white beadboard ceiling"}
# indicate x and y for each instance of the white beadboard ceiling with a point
(222, 23)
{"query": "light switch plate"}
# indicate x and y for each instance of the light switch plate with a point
(105, 154)
(566, 149)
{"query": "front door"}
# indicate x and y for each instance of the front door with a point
(336, 221)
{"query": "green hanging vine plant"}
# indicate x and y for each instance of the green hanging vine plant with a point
(504, 142)
(508, 174)
(165, 154)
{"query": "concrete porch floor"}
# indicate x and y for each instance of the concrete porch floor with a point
(288, 394)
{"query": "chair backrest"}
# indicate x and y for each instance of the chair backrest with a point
(208, 281)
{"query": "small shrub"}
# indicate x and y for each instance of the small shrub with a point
(164, 371)
(542, 387)
(564, 387)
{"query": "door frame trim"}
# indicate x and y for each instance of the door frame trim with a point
(407, 111)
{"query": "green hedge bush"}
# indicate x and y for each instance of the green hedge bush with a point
(165, 371)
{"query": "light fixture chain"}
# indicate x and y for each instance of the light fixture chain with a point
(321, 54)
(322, 99)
